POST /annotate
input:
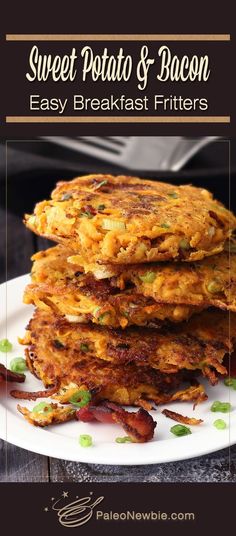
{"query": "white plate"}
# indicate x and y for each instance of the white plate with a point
(61, 441)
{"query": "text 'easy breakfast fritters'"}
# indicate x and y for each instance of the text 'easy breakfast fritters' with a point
(59, 356)
(199, 344)
(128, 220)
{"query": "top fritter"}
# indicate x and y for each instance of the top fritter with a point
(130, 220)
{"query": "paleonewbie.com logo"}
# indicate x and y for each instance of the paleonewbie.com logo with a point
(77, 512)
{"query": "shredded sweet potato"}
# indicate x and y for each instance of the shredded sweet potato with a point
(181, 418)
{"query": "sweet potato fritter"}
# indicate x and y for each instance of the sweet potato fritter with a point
(181, 418)
(61, 286)
(141, 295)
(56, 354)
(54, 414)
(130, 220)
(200, 344)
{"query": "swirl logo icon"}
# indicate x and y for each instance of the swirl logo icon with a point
(77, 512)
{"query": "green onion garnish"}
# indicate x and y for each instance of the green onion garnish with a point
(184, 244)
(42, 407)
(101, 207)
(230, 382)
(103, 183)
(220, 424)
(149, 277)
(125, 439)
(66, 197)
(214, 286)
(85, 440)
(84, 347)
(165, 225)
(18, 364)
(5, 345)
(112, 225)
(174, 195)
(102, 316)
(80, 398)
(180, 430)
(221, 407)
(87, 214)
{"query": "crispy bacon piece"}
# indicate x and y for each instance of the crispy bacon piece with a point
(26, 395)
(9, 376)
(138, 425)
(180, 418)
(96, 413)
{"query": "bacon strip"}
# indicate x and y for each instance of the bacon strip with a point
(9, 376)
(26, 395)
(180, 418)
(138, 425)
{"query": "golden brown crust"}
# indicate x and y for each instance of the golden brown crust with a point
(142, 294)
(56, 415)
(130, 220)
(199, 344)
(61, 286)
(127, 383)
(181, 418)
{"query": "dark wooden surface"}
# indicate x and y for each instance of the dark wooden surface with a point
(18, 465)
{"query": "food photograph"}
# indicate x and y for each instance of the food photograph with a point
(118, 302)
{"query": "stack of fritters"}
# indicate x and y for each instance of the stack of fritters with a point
(135, 299)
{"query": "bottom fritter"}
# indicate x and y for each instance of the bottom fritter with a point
(126, 383)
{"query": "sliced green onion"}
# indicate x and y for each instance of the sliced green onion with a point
(165, 225)
(174, 195)
(102, 316)
(18, 364)
(125, 439)
(87, 214)
(221, 407)
(220, 424)
(103, 183)
(66, 197)
(5, 345)
(84, 347)
(101, 207)
(80, 398)
(112, 225)
(184, 244)
(42, 407)
(230, 382)
(214, 286)
(149, 277)
(180, 430)
(85, 440)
